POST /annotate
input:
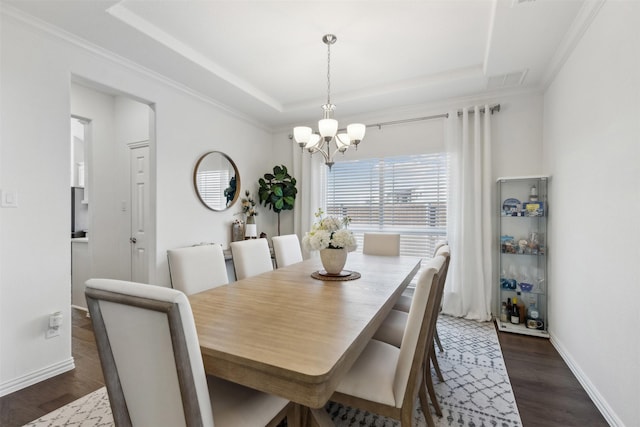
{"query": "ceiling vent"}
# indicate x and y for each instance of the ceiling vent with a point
(512, 79)
(515, 3)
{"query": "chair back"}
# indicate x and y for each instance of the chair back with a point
(443, 250)
(251, 257)
(287, 250)
(150, 355)
(197, 268)
(417, 333)
(386, 244)
(439, 244)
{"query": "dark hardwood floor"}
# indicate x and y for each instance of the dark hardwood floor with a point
(546, 391)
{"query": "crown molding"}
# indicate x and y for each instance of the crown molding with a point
(56, 33)
(126, 16)
(579, 26)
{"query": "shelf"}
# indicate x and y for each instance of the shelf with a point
(522, 292)
(523, 178)
(511, 253)
(520, 329)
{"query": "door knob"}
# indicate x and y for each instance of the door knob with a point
(132, 239)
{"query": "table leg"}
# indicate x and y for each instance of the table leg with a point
(320, 418)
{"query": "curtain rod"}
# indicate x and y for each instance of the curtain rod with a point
(492, 109)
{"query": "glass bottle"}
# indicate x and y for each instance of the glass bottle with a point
(503, 312)
(515, 314)
(521, 307)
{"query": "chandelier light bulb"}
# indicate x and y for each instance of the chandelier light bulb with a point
(328, 128)
(314, 140)
(302, 134)
(356, 132)
(342, 142)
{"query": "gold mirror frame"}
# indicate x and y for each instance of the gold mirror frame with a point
(219, 176)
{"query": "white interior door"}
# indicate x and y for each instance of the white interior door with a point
(140, 213)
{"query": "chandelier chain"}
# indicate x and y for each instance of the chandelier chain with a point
(328, 73)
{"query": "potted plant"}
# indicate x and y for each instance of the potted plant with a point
(278, 191)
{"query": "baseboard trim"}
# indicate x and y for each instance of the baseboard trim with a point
(598, 400)
(36, 376)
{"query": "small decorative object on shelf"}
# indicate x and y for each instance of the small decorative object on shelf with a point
(330, 236)
(249, 211)
(237, 230)
(522, 288)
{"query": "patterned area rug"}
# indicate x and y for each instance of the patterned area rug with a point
(476, 391)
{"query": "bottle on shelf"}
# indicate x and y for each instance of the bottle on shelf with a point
(521, 307)
(533, 194)
(509, 307)
(533, 311)
(515, 314)
(503, 312)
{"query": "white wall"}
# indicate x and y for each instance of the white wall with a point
(37, 69)
(592, 150)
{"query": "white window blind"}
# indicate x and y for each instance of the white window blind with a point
(211, 185)
(404, 194)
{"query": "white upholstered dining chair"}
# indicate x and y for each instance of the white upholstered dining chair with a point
(386, 244)
(286, 250)
(386, 379)
(404, 302)
(153, 370)
(251, 257)
(393, 328)
(197, 268)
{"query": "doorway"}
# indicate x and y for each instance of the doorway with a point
(80, 146)
(117, 123)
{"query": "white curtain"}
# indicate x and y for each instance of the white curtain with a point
(469, 284)
(310, 174)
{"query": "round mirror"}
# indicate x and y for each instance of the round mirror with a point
(216, 180)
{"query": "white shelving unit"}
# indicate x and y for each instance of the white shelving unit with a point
(522, 252)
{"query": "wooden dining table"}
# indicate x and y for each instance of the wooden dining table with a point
(292, 335)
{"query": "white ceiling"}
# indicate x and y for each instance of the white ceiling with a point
(266, 59)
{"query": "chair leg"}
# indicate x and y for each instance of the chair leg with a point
(432, 394)
(436, 366)
(425, 406)
(437, 338)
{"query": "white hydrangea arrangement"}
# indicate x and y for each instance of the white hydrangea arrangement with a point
(329, 232)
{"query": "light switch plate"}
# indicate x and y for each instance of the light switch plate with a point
(8, 199)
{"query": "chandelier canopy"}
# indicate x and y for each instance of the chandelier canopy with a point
(327, 134)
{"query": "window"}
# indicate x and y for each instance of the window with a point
(405, 194)
(211, 185)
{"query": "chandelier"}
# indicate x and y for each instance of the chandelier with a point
(327, 134)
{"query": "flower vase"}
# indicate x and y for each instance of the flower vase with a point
(333, 260)
(250, 228)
